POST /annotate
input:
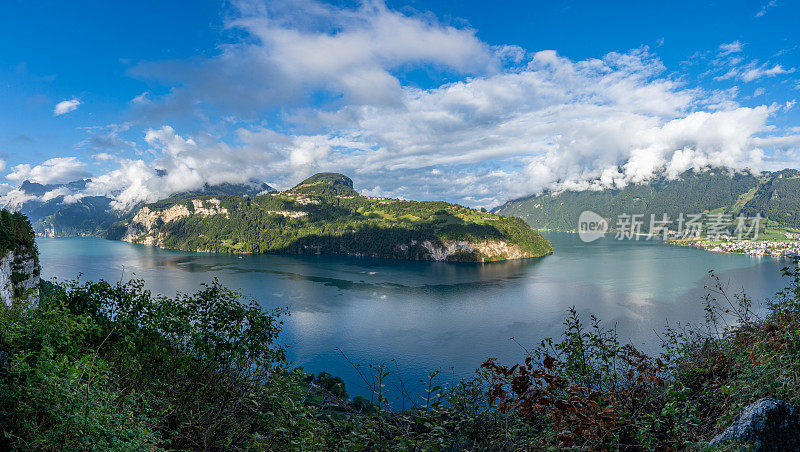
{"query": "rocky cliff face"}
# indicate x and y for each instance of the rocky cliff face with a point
(144, 226)
(325, 215)
(19, 277)
(478, 251)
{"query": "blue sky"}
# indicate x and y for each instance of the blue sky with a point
(472, 102)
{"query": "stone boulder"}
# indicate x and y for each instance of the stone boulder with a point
(768, 424)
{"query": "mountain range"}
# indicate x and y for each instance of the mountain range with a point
(324, 214)
(63, 210)
(774, 196)
(327, 201)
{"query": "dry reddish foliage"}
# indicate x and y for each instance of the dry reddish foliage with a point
(591, 416)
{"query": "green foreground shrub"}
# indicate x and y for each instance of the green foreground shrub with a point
(112, 367)
(99, 366)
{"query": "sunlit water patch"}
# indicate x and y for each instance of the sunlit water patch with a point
(435, 316)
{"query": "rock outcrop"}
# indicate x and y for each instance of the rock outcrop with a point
(19, 277)
(768, 424)
(492, 249)
(325, 215)
(143, 227)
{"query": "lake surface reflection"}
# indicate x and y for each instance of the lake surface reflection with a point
(436, 316)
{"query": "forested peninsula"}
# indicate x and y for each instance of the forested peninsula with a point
(325, 215)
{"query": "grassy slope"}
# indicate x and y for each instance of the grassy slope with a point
(336, 219)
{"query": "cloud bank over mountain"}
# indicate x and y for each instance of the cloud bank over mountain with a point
(317, 87)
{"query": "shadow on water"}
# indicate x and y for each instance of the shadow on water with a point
(429, 315)
(357, 273)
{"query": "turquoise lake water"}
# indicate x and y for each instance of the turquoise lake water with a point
(436, 316)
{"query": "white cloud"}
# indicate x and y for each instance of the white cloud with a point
(62, 191)
(14, 198)
(555, 123)
(66, 106)
(756, 72)
(559, 123)
(766, 7)
(729, 64)
(104, 157)
(729, 48)
(514, 123)
(312, 47)
(52, 171)
(183, 164)
(785, 149)
(753, 71)
(141, 98)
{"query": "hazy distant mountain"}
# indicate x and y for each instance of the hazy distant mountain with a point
(61, 210)
(775, 196)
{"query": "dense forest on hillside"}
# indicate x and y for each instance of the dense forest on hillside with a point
(692, 193)
(325, 215)
(778, 198)
(15, 232)
(99, 366)
(773, 196)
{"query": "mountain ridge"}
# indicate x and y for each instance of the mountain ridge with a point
(773, 195)
(53, 214)
(325, 215)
